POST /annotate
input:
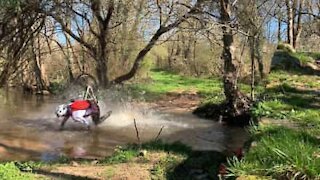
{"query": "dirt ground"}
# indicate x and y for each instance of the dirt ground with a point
(137, 169)
(177, 102)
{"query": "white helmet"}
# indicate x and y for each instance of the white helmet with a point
(62, 110)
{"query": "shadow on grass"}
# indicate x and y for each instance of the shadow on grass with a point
(198, 165)
(278, 131)
(57, 175)
(305, 99)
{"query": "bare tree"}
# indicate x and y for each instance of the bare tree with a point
(294, 21)
(20, 22)
(238, 104)
(164, 27)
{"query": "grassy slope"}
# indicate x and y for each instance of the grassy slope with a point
(290, 150)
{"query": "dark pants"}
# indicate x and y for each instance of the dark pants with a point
(95, 112)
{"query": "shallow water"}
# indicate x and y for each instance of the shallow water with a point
(29, 130)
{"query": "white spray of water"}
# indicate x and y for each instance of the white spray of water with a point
(124, 114)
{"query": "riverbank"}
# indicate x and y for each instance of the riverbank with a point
(286, 143)
(153, 160)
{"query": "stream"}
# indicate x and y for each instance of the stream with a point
(29, 130)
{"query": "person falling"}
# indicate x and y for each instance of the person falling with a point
(80, 111)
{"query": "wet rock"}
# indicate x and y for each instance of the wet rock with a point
(202, 177)
(74, 163)
(196, 171)
(284, 61)
(94, 162)
(254, 144)
(143, 153)
(43, 92)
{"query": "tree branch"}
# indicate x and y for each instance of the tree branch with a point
(152, 42)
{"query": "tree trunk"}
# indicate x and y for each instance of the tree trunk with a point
(102, 54)
(258, 55)
(290, 20)
(101, 66)
(298, 26)
(252, 43)
(69, 57)
(279, 29)
(4, 76)
(37, 71)
(101, 70)
(162, 29)
(238, 104)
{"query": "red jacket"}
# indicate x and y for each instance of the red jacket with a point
(79, 105)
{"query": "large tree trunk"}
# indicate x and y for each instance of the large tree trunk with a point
(101, 71)
(238, 104)
(102, 57)
(102, 54)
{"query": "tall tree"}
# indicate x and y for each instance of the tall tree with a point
(290, 17)
(20, 22)
(238, 104)
(294, 21)
(165, 25)
(101, 18)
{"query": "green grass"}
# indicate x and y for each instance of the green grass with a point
(9, 171)
(292, 97)
(314, 55)
(163, 82)
(303, 57)
(177, 162)
(285, 151)
(127, 153)
(166, 166)
(122, 155)
(280, 152)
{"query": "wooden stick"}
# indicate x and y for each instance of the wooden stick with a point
(135, 126)
(159, 133)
